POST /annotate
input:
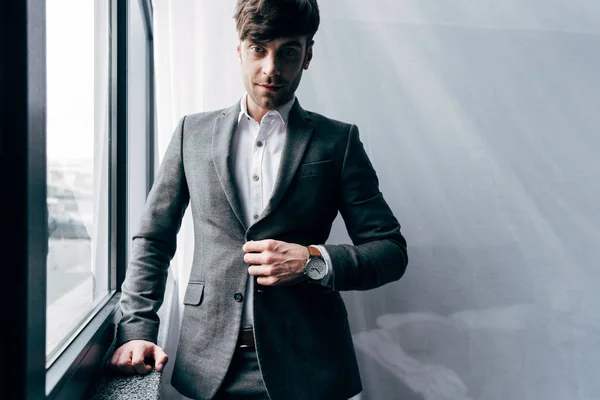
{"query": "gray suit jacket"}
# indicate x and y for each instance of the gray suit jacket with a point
(302, 336)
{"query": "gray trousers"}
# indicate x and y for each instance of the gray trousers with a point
(243, 379)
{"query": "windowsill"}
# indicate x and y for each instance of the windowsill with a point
(69, 373)
(143, 387)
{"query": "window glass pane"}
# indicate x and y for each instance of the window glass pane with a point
(77, 149)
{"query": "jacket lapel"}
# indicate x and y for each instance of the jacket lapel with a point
(300, 130)
(222, 139)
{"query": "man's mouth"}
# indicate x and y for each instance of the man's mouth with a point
(270, 88)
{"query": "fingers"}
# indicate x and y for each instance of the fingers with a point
(279, 280)
(123, 363)
(138, 360)
(160, 359)
(138, 357)
(120, 361)
(266, 275)
(264, 258)
(257, 246)
(260, 270)
(115, 358)
(267, 280)
(261, 252)
(274, 262)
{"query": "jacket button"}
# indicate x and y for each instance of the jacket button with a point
(238, 297)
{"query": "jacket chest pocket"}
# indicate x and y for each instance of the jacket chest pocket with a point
(312, 195)
(314, 169)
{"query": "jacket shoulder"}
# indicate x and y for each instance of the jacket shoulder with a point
(203, 116)
(329, 123)
(197, 123)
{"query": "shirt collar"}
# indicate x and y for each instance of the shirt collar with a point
(283, 112)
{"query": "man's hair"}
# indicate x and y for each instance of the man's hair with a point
(266, 20)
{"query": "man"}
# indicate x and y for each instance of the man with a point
(265, 180)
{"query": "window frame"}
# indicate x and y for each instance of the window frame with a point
(23, 169)
(22, 130)
(151, 147)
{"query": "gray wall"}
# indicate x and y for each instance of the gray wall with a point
(483, 122)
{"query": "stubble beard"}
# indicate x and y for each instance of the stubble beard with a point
(275, 100)
(269, 102)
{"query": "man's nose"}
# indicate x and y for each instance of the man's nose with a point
(271, 66)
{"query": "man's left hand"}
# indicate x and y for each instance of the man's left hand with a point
(274, 262)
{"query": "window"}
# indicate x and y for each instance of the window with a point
(77, 76)
(63, 158)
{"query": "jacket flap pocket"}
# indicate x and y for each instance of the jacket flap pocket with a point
(315, 168)
(194, 293)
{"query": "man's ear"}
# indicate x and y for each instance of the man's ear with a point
(309, 55)
(239, 51)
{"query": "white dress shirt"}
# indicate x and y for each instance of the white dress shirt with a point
(257, 150)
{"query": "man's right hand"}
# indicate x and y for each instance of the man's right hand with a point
(138, 357)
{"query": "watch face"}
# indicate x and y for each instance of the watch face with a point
(316, 269)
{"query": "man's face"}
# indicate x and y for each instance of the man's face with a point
(271, 71)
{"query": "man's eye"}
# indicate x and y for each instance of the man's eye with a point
(290, 53)
(256, 49)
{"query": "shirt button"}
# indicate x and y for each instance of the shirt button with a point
(256, 177)
(238, 297)
(259, 144)
(255, 216)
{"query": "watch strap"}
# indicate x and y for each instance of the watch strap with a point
(314, 252)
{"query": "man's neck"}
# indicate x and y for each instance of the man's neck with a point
(257, 112)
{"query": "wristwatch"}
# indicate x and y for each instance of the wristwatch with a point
(315, 268)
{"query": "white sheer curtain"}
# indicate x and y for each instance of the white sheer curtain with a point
(481, 119)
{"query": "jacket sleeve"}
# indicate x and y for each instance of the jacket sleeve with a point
(379, 254)
(153, 247)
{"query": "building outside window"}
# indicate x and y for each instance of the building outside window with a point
(77, 73)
